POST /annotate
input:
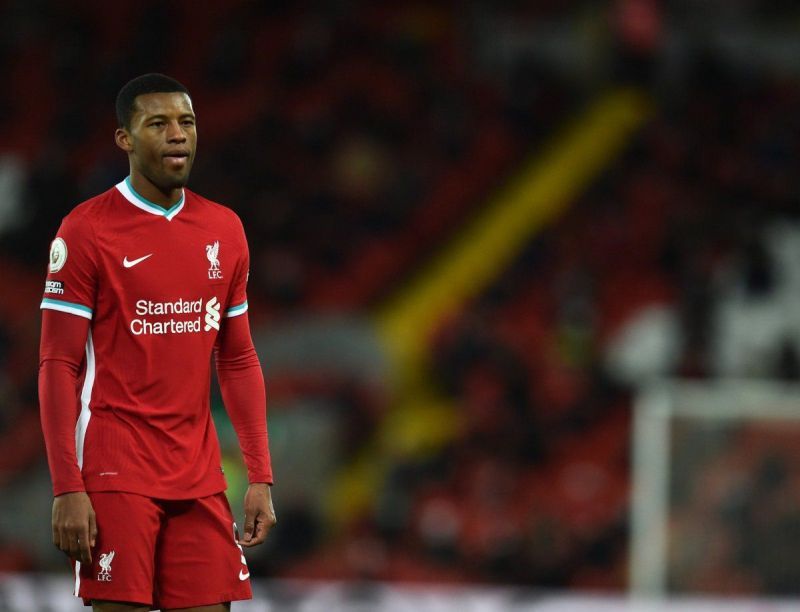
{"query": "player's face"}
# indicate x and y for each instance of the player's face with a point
(163, 139)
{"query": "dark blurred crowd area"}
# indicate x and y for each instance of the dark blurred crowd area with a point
(735, 522)
(353, 139)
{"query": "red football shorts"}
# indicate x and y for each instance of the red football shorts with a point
(163, 553)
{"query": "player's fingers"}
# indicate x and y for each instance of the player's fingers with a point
(92, 530)
(262, 529)
(264, 523)
(249, 543)
(78, 536)
(63, 536)
(72, 545)
(84, 545)
(56, 537)
(57, 529)
(249, 527)
(259, 533)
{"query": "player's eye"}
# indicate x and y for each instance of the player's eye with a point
(157, 124)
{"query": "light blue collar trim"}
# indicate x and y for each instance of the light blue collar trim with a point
(126, 189)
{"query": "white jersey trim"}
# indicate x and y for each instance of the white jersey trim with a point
(86, 397)
(129, 193)
(77, 578)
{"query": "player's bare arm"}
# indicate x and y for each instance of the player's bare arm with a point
(259, 514)
(74, 526)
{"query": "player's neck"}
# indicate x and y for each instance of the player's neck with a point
(150, 192)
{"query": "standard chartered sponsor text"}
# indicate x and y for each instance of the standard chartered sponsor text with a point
(158, 326)
(146, 307)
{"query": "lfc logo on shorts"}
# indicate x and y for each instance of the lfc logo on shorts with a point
(105, 567)
(212, 253)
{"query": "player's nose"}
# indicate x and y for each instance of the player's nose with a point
(175, 133)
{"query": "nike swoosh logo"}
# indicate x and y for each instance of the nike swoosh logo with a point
(130, 263)
(243, 575)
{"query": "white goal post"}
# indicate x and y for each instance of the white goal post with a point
(657, 408)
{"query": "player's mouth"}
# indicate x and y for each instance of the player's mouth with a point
(177, 159)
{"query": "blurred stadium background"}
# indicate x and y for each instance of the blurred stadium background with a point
(483, 236)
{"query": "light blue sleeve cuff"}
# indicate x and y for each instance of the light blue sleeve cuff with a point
(61, 306)
(235, 311)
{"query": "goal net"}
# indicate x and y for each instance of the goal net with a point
(716, 489)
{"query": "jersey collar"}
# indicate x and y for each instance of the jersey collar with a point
(129, 193)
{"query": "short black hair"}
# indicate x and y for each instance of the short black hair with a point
(152, 82)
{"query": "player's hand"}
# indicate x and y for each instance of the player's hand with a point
(259, 515)
(74, 525)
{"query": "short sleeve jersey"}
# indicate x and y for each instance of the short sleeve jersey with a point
(156, 285)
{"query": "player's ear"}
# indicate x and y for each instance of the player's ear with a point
(123, 139)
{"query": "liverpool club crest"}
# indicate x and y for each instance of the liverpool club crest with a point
(212, 253)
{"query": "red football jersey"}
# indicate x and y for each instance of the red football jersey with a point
(156, 285)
